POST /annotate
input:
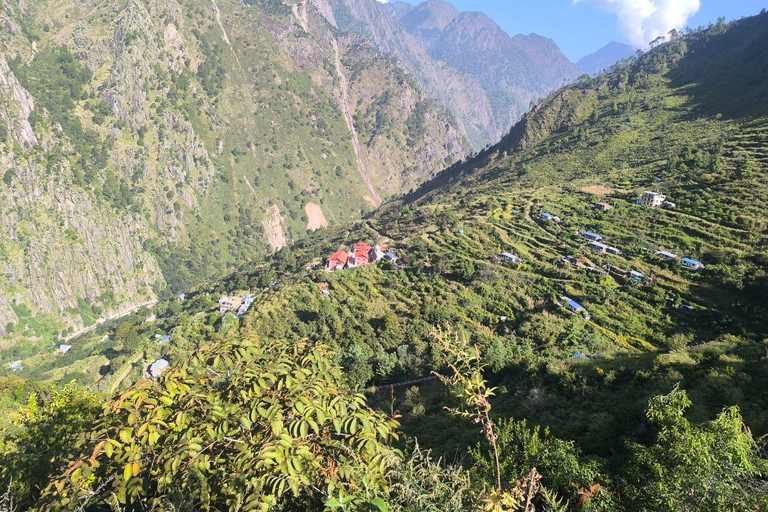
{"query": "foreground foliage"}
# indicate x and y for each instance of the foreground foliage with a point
(246, 425)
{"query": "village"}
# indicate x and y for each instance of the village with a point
(359, 255)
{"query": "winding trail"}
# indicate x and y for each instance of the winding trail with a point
(224, 34)
(344, 84)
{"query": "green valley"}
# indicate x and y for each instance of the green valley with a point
(538, 338)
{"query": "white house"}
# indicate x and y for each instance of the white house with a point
(692, 264)
(506, 256)
(652, 199)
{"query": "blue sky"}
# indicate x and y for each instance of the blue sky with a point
(583, 26)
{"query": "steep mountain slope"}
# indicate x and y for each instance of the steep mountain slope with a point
(668, 122)
(605, 57)
(455, 92)
(686, 119)
(147, 144)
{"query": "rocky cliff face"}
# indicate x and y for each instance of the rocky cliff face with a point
(148, 144)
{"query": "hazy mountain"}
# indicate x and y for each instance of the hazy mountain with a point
(605, 57)
(513, 71)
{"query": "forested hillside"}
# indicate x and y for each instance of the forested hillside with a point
(534, 326)
(147, 146)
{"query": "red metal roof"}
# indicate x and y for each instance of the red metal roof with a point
(340, 256)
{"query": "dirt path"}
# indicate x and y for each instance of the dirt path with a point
(113, 316)
(224, 33)
(344, 84)
(128, 367)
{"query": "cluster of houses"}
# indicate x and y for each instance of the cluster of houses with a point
(595, 243)
(686, 262)
(359, 255)
(236, 305)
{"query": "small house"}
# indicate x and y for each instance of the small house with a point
(603, 207)
(549, 217)
(573, 260)
(227, 304)
(614, 251)
(361, 247)
(326, 294)
(64, 348)
(506, 256)
(637, 276)
(691, 263)
(652, 199)
(390, 256)
(574, 307)
(665, 255)
(598, 247)
(358, 258)
(376, 254)
(16, 366)
(243, 309)
(620, 272)
(337, 261)
(669, 205)
(158, 367)
(182, 297)
(591, 236)
(164, 339)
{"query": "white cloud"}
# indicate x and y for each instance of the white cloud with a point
(642, 21)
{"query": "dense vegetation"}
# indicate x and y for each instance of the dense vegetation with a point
(658, 402)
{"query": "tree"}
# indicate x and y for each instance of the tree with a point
(714, 466)
(41, 439)
(243, 425)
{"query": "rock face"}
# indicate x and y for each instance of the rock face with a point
(463, 61)
(16, 104)
(148, 144)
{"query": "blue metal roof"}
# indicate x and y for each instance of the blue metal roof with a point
(158, 366)
(574, 305)
(691, 261)
(590, 234)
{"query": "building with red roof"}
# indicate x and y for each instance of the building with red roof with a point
(337, 261)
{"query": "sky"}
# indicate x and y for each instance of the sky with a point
(580, 27)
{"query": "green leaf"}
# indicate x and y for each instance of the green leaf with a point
(380, 504)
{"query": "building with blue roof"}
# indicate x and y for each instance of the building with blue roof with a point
(158, 367)
(574, 307)
(591, 236)
(691, 263)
